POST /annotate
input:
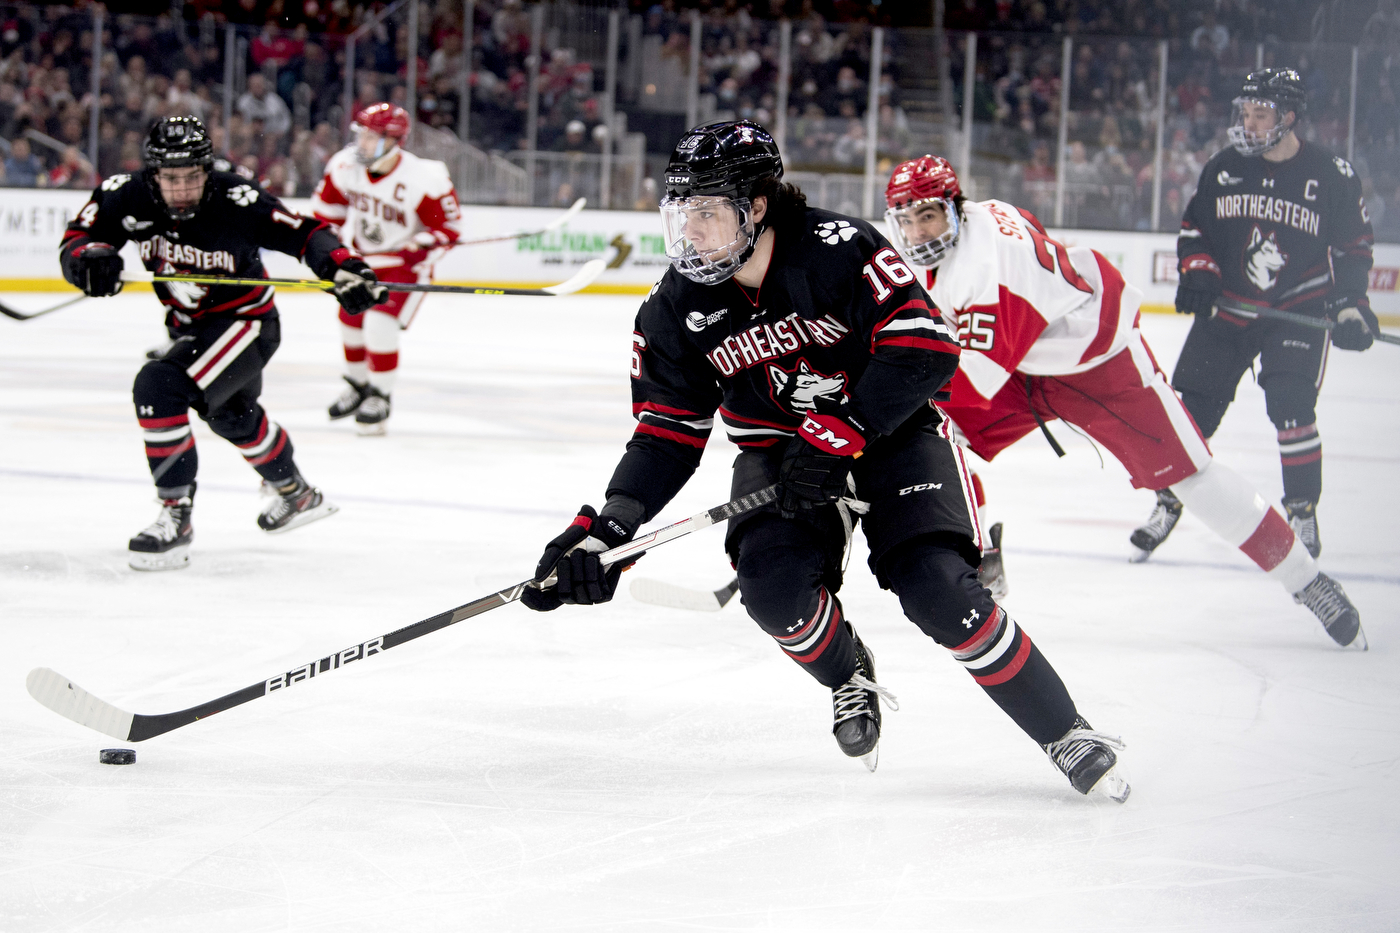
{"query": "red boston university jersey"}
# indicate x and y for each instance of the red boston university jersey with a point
(1025, 302)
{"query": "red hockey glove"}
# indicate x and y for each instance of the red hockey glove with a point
(819, 458)
(1196, 292)
(1356, 325)
(573, 556)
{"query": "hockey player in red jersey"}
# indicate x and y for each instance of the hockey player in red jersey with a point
(401, 213)
(1052, 332)
(1280, 222)
(816, 346)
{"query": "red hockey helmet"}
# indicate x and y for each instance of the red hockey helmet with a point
(388, 124)
(385, 119)
(922, 215)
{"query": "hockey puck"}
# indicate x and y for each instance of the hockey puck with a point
(117, 756)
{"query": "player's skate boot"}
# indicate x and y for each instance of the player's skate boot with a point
(373, 416)
(350, 399)
(1302, 516)
(165, 544)
(295, 503)
(991, 573)
(855, 707)
(1163, 519)
(1087, 758)
(1328, 601)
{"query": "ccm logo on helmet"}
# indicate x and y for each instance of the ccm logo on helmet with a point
(677, 179)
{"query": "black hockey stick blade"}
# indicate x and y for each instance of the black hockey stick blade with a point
(70, 701)
(661, 593)
(580, 280)
(1250, 309)
(552, 225)
(31, 315)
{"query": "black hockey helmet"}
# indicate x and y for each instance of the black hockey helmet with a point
(1280, 88)
(1283, 86)
(177, 142)
(724, 158)
(707, 214)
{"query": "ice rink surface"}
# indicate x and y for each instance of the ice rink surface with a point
(636, 768)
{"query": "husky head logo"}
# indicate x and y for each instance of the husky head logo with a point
(187, 295)
(1263, 260)
(798, 391)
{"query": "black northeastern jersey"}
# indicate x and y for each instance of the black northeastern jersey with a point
(838, 314)
(1286, 234)
(235, 221)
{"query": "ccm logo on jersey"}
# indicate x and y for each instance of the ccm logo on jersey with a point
(920, 487)
(328, 663)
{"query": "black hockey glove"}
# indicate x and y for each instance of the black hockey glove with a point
(96, 268)
(1196, 292)
(1355, 328)
(819, 458)
(573, 556)
(357, 288)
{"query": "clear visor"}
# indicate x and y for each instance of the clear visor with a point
(924, 231)
(1255, 125)
(707, 238)
(370, 146)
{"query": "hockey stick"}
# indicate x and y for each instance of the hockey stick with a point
(661, 593)
(31, 315)
(70, 701)
(581, 279)
(1248, 308)
(552, 225)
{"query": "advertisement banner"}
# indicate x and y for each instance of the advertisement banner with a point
(32, 222)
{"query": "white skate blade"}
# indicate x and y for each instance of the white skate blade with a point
(1138, 555)
(1112, 786)
(1359, 643)
(325, 510)
(872, 758)
(177, 558)
(378, 429)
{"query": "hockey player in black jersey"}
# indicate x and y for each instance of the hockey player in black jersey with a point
(819, 350)
(1281, 222)
(186, 217)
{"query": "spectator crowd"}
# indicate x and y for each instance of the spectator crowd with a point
(287, 111)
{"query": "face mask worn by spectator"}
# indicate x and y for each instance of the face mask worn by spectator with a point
(1257, 122)
(707, 214)
(922, 213)
(178, 156)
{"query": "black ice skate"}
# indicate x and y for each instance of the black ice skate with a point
(350, 399)
(299, 505)
(855, 707)
(1302, 517)
(373, 416)
(1087, 758)
(1328, 601)
(165, 544)
(992, 574)
(1149, 537)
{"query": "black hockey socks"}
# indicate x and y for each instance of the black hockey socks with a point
(269, 451)
(1205, 411)
(940, 593)
(820, 642)
(170, 450)
(1300, 451)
